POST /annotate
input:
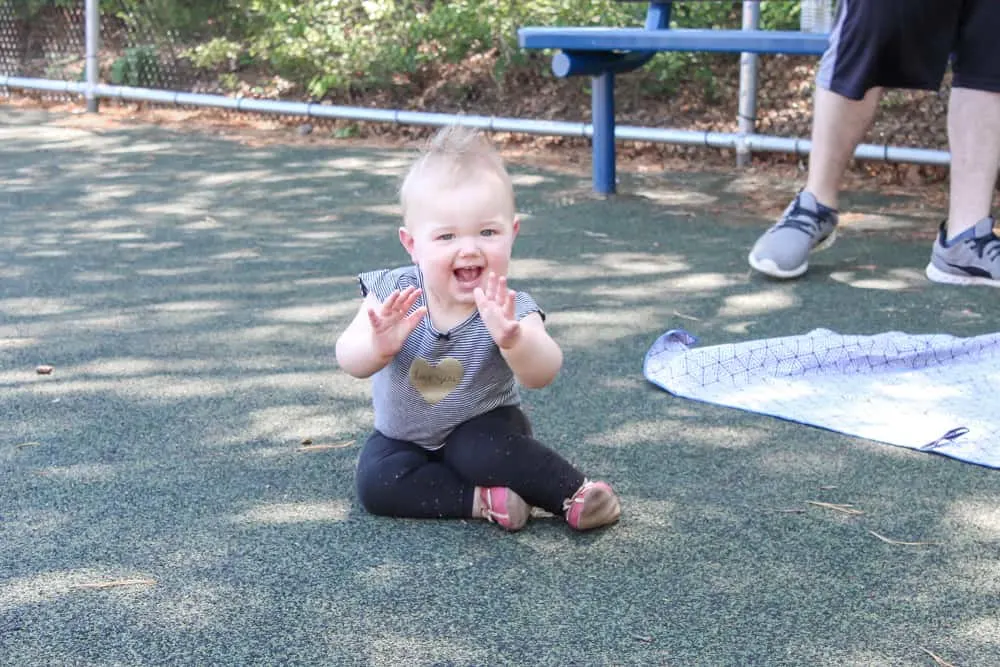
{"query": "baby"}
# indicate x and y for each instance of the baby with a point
(447, 343)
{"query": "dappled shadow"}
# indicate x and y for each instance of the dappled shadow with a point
(188, 292)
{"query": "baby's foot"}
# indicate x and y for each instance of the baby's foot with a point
(593, 505)
(501, 506)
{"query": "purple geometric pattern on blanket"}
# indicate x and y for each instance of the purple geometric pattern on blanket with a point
(930, 392)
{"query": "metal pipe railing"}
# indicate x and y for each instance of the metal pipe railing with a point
(744, 142)
(754, 142)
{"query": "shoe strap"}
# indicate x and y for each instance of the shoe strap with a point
(578, 497)
(486, 499)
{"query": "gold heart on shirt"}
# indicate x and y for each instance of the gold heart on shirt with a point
(436, 382)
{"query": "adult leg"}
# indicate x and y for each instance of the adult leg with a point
(874, 44)
(966, 250)
(397, 478)
(974, 116)
(839, 125)
(974, 140)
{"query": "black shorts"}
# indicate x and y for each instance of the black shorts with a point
(908, 44)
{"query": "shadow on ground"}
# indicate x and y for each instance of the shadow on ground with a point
(188, 292)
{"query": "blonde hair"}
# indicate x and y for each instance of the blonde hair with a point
(453, 155)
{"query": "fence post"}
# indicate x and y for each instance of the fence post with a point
(747, 115)
(92, 32)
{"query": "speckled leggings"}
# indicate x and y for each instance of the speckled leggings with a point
(401, 479)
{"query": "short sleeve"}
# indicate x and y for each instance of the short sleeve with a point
(524, 305)
(383, 282)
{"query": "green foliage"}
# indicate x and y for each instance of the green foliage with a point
(28, 9)
(138, 66)
(338, 46)
(191, 19)
(347, 131)
(218, 53)
(780, 15)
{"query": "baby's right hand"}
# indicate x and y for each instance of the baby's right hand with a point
(390, 323)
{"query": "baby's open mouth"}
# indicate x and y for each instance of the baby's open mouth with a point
(468, 274)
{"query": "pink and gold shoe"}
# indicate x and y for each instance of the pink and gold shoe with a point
(593, 505)
(502, 506)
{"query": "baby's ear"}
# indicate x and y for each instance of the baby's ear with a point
(517, 225)
(406, 238)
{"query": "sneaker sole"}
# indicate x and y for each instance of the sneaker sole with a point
(768, 267)
(934, 274)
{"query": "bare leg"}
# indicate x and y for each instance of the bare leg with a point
(839, 125)
(974, 139)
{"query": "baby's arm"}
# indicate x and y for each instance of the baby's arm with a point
(355, 351)
(534, 357)
(377, 332)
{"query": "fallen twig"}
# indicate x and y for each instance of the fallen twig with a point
(647, 639)
(687, 317)
(846, 508)
(793, 510)
(25, 445)
(316, 448)
(888, 540)
(116, 583)
(941, 662)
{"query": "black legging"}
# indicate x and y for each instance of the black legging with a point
(401, 479)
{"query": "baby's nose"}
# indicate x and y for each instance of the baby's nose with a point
(470, 245)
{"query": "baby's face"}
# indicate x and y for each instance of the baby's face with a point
(458, 235)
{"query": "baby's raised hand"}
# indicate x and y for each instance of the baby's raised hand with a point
(390, 323)
(496, 307)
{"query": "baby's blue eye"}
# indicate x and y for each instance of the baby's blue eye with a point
(446, 237)
(488, 232)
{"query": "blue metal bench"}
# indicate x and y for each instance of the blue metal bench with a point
(603, 52)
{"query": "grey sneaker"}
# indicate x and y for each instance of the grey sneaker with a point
(973, 258)
(806, 226)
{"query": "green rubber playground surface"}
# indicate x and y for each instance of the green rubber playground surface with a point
(179, 490)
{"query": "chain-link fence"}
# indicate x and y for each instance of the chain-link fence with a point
(307, 59)
(137, 47)
(47, 43)
(190, 46)
(816, 15)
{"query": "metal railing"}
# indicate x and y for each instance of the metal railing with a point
(64, 52)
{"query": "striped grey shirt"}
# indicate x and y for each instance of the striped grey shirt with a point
(439, 380)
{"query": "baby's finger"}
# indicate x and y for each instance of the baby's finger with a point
(412, 320)
(409, 297)
(374, 318)
(501, 293)
(390, 301)
(510, 305)
(488, 286)
(484, 305)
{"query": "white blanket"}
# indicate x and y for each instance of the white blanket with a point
(936, 393)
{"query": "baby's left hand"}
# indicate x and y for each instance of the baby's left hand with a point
(496, 307)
